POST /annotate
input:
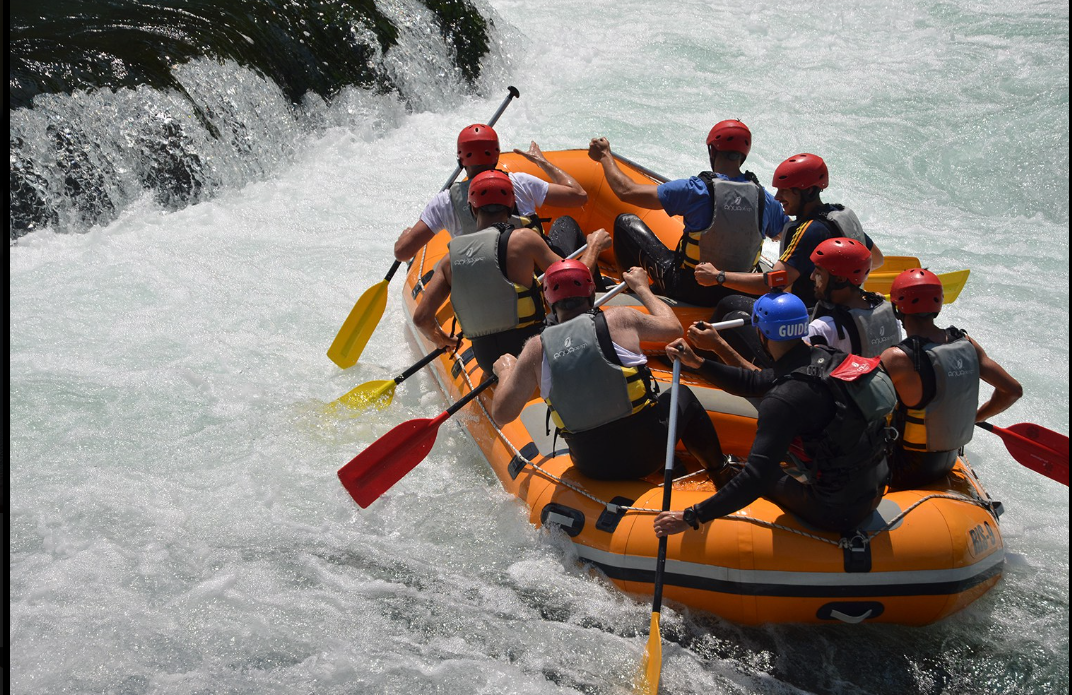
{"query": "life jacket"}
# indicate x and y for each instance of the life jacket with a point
(589, 385)
(945, 418)
(842, 222)
(847, 460)
(484, 300)
(734, 238)
(459, 200)
(870, 330)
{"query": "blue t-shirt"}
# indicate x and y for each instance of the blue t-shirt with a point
(691, 199)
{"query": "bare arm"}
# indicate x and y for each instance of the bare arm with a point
(906, 380)
(705, 337)
(750, 283)
(518, 379)
(598, 242)
(660, 323)
(563, 191)
(642, 195)
(411, 240)
(1007, 390)
(435, 293)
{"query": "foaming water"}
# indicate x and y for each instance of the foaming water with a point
(176, 521)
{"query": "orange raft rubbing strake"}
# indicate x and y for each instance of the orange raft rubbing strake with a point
(923, 555)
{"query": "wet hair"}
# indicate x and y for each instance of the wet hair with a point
(493, 209)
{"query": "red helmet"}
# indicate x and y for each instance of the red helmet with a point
(565, 279)
(917, 291)
(491, 188)
(845, 258)
(730, 136)
(802, 171)
(478, 145)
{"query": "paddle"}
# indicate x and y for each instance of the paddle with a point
(379, 394)
(895, 264)
(372, 472)
(952, 283)
(651, 666)
(1033, 446)
(356, 330)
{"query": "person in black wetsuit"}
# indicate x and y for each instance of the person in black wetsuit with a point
(808, 411)
(596, 382)
(490, 276)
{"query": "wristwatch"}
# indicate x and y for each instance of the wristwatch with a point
(689, 517)
(721, 277)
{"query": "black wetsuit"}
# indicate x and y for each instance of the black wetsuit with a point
(636, 445)
(790, 409)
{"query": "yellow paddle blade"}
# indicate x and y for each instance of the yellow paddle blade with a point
(952, 283)
(895, 264)
(359, 325)
(373, 394)
(647, 679)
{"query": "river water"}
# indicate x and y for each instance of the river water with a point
(176, 524)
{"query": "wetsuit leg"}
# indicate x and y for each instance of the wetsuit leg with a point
(624, 449)
(489, 348)
(801, 500)
(636, 245)
(912, 469)
(565, 236)
(695, 429)
(744, 339)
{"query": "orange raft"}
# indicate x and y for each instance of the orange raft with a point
(923, 555)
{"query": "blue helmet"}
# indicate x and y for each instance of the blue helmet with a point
(780, 316)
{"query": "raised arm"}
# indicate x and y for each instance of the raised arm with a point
(660, 324)
(563, 191)
(705, 337)
(642, 195)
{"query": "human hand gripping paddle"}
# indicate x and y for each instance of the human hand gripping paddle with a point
(647, 680)
(1043, 451)
(346, 349)
(379, 394)
(387, 460)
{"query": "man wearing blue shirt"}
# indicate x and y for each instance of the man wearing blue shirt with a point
(726, 213)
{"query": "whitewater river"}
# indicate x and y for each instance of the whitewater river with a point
(176, 523)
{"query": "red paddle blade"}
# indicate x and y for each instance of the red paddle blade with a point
(1045, 451)
(372, 472)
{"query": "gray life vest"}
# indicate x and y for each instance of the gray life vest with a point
(459, 200)
(733, 240)
(870, 330)
(484, 300)
(589, 385)
(845, 222)
(947, 421)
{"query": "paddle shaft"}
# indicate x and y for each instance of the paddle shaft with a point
(668, 484)
(514, 94)
(419, 365)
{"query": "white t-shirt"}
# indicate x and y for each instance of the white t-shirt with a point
(529, 194)
(824, 326)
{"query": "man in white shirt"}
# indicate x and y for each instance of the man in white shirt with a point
(478, 151)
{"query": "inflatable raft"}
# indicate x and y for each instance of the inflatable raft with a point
(923, 555)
